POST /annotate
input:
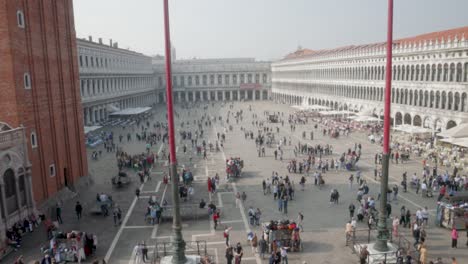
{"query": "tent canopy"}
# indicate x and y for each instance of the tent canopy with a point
(412, 129)
(462, 142)
(311, 107)
(131, 111)
(334, 112)
(460, 131)
(361, 118)
(88, 129)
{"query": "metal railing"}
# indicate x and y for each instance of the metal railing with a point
(359, 237)
(163, 249)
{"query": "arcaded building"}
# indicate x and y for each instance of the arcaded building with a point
(429, 79)
(41, 127)
(112, 79)
(215, 79)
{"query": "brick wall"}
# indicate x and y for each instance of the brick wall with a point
(46, 48)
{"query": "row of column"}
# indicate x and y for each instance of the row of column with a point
(98, 113)
(204, 95)
(288, 99)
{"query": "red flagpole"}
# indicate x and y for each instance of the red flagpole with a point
(388, 80)
(383, 233)
(177, 238)
(170, 109)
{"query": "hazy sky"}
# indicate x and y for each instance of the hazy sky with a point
(264, 29)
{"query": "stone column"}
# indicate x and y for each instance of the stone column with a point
(2, 187)
(202, 96)
(231, 94)
(216, 95)
(224, 96)
(254, 93)
(91, 115)
(186, 96)
(238, 95)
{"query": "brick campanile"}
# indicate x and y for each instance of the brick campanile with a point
(39, 89)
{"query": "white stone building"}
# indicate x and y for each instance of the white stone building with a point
(215, 79)
(112, 79)
(429, 87)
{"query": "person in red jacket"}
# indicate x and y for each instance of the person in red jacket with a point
(216, 218)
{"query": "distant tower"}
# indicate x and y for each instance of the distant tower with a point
(173, 53)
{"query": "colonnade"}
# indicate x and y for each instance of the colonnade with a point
(96, 113)
(216, 95)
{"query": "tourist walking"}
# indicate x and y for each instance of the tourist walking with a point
(58, 212)
(351, 210)
(244, 197)
(262, 244)
(238, 199)
(229, 254)
(300, 218)
(226, 234)
(454, 236)
(78, 210)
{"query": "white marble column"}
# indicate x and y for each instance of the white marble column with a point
(238, 95)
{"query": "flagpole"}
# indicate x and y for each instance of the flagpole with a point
(177, 240)
(383, 234)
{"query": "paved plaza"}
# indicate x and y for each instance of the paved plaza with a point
(323, 237)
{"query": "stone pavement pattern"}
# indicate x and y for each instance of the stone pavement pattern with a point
(323, 235)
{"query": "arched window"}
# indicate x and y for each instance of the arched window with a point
(456, 102)
(444, 99)
(10, 191)
(408, 71)
(27, 81)
(439, 72)
(20, 19)
(431, 100)
(452, 73)
(459, 73)
(446, 72)
(450, 101)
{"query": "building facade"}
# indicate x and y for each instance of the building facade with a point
(215, 79)
(40, 92)
(112, 79)
(16, 201)
(429, 79)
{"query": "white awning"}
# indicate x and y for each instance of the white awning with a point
(360, 118)
(88, 129)
(412, 129)
(333, 112)
(311, 107)
(131, 111)
(459, 131)
(112, 108)
(462, 142)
